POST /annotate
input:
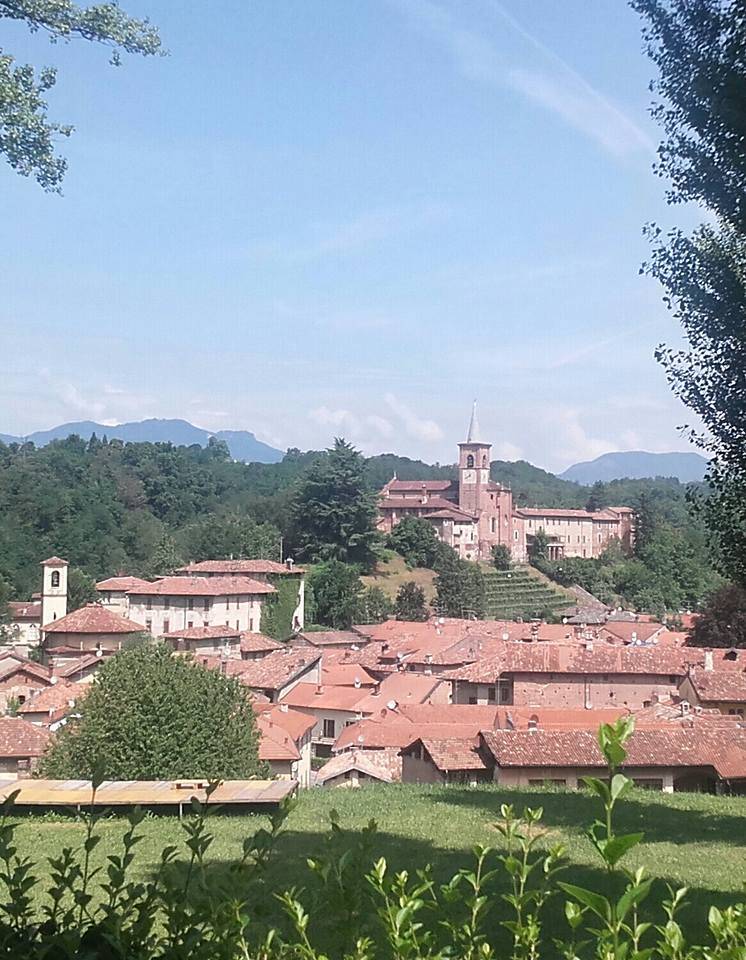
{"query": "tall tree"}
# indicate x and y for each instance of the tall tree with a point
(416, 541)
(722, 622)
(700, 52)
(410, 603)
(165, 557)
(460, 590)
(334, 511)
(27, 136)
(81, 588)
(335, 590)
(153, 715)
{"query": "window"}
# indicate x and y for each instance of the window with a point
(470, 462)
(493, 524)
(190, 603)
(167, 603)
(190, 624)
(149, 603)
(491, 692)
(472, 700)
(206, 604)
(205, 624)
(55, 578)
(329, 729)
(238, 625)
(672, 680)
(166, 626)
(148, 624)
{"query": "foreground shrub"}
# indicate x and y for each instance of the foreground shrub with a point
(351, 907)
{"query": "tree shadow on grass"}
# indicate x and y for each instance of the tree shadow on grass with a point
(339, 917)
(661, 822)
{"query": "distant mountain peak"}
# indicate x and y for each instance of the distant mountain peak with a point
(243, 445)
(637, 465)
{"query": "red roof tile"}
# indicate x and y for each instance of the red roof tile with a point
(54, 562)
(331, 638)
(24, 610)
(454, 754)
(239, 567)
(93, 618)
(293, 722)
(319, 696)
(21, 739)
(627, 632)
(258, 643)
(415, 486)
(203, 633)
(713, 686)
(54, 698)
(346, 675)
(274, 742)
(12, 663)
(77, 666)
(125, 584)
(272, 672)
(203, 587)
(384, 765)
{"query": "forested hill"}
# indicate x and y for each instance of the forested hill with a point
(112, 507)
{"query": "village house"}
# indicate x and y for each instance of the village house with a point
(21, 746)
(222, 641)
(26, 618)
(358, 768)
(335, 707)
(285, 741)
(52, 705)
(20, 679)
(275, 675)
(77, 669)
(722, 690)
(474, 514)
(585, 676)
(90, 629)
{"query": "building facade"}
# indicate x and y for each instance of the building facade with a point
(474, 514)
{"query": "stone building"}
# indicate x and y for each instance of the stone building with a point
(474, 514)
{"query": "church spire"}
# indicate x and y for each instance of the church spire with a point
(472, 435)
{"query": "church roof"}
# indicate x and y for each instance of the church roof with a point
(473, 433)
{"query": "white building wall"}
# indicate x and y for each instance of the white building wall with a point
(162, 614)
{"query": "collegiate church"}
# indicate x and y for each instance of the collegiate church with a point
(474, 514)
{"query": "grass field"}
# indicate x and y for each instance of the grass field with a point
(392, 572)
(692, 840)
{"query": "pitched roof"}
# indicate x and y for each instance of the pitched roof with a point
(293, 722)
(450, 513)
(239, 567)
(203, 633)
(333, 638)
(53, 698)
(24, 610)
(346, 675)
(454, 753)
(203, 587)
(54, 562)
(79, 665)
(723, 749)
(21, 739)
(125, 584)
(627, 632)
(538, 512)
(412, 486)
(401, 689)
(93, 618)
(272, 672)
(427, 502)
(11, 663)
(259, 643)
(318, 696)
(384, 765)
(712, 686)
(274, 742)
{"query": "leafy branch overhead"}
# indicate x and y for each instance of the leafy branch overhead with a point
(27, 135)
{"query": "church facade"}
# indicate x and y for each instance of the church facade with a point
(474, 514)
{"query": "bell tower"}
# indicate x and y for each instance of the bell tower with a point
(473, 468)
(54, 590)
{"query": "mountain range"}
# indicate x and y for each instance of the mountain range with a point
(636, 465)
(242, 444)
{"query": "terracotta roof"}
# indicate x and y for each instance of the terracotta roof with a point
(399, 688)
(725, 750)
(274, 742)
(203, 633)
(601, 658)
(625, 631)
(333, 638)
(416, 485)
(24, 610)
(55, 698)
(203, 587)
(93, 618)
(11, 663)
(121, 583)
(78, 665)
(368, 655)
(454, 754)
(272, 672)
(346, 675)
(450, 513)
(293, 722)
(21, 739)
(712, 686)
(258, 643)
(538, 512)
(415, 503)
(54, 562)
(313, 695)
(384, 765)
(376, 732)
(239, 567)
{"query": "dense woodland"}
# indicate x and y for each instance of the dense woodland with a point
(112, 507)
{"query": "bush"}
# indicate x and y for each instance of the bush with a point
(360, 909)
(501, 557)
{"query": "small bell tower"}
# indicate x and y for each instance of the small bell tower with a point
(473, 468)
(54, 590)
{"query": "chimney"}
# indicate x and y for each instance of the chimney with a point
(533, 724)
(290, 563)
(319, 690)
(377, 689)
(709, 663)
(685, 707)
(284, 707)
(357, 683)
(589, 646)
(633, 636)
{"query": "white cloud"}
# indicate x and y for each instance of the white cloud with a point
(416, 427)
(554, 85)
(507, 451)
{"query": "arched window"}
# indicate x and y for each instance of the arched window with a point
(470, 461)
(484, 460)
(55, 578)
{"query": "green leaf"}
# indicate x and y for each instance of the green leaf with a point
(594, 901)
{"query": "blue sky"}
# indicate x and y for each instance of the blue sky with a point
(336, 217)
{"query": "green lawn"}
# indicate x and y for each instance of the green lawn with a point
(694, 840)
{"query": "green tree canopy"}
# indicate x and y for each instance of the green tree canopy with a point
(335, 590)
(416, 541)
(410, 603)
(722, 622)
(701, 89)
(334, 510)
(81, 589)
(374, 606)
(460, 589)
(538, 548)
(153, 715)
(27, 135)
(502, 559)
